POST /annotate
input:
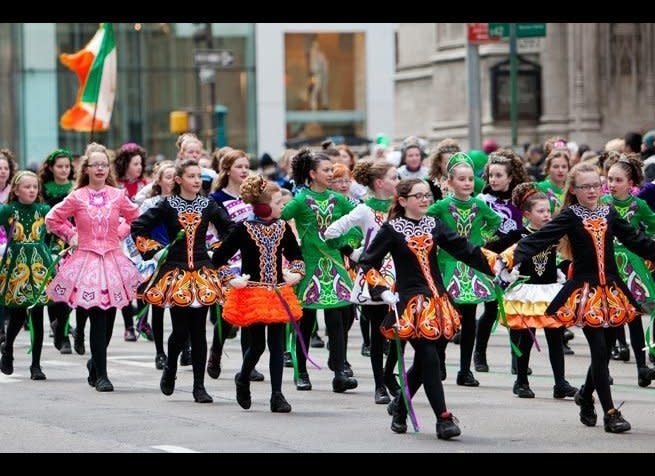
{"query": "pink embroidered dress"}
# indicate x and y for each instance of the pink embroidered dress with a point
(97, 273)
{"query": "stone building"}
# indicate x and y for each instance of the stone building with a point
(588, 82)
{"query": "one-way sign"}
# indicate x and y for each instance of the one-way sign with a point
(213, 58)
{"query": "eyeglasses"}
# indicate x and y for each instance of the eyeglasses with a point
(98, 166)
(588, 186)
(421, 196)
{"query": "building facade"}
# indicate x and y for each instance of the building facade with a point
(588, 82)
(286, 82)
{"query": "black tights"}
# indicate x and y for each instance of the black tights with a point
(81, 315)
(257, 334)
(425, 370)
(128, 316)
(226, 327)
(348, 320)
(158, 328)
(637, 340)
(485, 324)
(365, 327)
(374, 315)
(468, 335)
(600, 340)
(102, 326)
(189, 321)
(58, 312)
(17, 317)
(334, 324)
(524, 342)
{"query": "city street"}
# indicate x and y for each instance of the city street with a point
(64, 414)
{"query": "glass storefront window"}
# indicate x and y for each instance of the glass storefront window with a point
(325, 86)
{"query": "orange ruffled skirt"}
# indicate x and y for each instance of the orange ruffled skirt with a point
(260, 305)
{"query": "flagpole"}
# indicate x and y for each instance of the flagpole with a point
(93, 121)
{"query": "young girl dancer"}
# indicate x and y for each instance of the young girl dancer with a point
(557, 166)
(263, 240)
(595, 298)
(526, 303)
(424, 313)
(187, 283)
(327, 283)
(56, 176)
(97, 276)
(381, 178)
(504, 171)
(624, 173)
(473, 219)
(24, 267)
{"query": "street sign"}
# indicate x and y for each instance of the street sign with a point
(213, 58)
(478, 33)
(523, 30)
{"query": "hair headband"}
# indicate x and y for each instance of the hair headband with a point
(459, 158)
(59, 153)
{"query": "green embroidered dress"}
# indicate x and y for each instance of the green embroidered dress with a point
(27, 258)
(326, 283)
(476, 221)
(632, 268)
(553, 192)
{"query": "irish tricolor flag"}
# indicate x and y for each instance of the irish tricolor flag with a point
(95, 66)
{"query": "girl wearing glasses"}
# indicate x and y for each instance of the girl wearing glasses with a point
(381, 177)
(97, 276)
(625, 173)
(425, 314)
(471, 218)
(595, 297)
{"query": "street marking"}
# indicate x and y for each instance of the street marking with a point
(174, 449)
(10, 378)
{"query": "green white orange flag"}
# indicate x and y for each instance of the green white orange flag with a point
(95, 67)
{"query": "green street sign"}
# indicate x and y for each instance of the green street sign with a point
(523, 30)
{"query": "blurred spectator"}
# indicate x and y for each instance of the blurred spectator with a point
(535, 159)
(489, 146)
(632, 143)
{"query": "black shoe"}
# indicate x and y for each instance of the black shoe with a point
(341, 383)
(366, 350)
(78, 341)
(288, 361)
(447, 426)
(480, 362)
(393, 405)
(167, 382)
(568, 335)
(587, 411)
(232, 333)
(392, 385)
(614, 422)
(7, 360)
(160, 361)
(66, 346)
(200, 395)
(36, 373)
(381, 395)
(92, 378)
(563, 390)
(624, 353)
(644, 376)
(303, 382)
(316, 342)
(279, 404)
(104, 385)
(214, 364)
(129, 335)
(457, 338)
(522, 390)
(256, 376)
(243, 392)
(466, 379)
(146, 331)
(185, 357)
(399, 423)
(567, 349)
(348, 370)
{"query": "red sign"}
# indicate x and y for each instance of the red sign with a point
(478, 33)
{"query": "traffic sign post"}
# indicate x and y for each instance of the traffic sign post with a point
(523, 30)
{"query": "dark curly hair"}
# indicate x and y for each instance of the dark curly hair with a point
(124, 157)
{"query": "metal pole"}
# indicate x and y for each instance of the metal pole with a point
(473, 96)
(513, 70)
